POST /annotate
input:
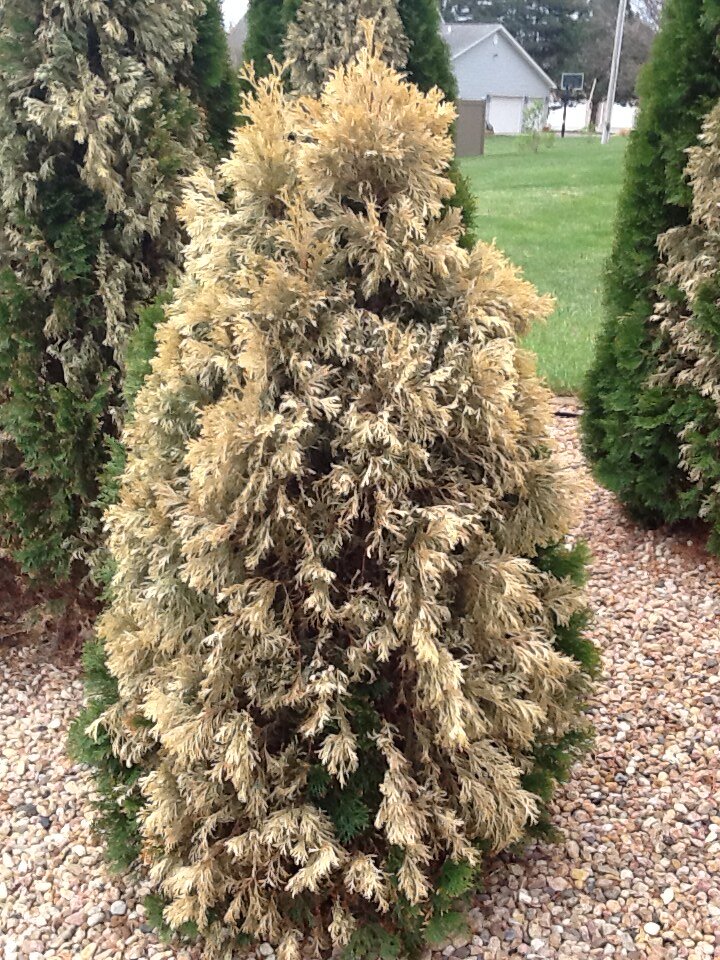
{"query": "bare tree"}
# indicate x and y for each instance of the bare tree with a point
(650, 11)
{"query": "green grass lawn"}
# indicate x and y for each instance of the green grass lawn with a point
(552, 212)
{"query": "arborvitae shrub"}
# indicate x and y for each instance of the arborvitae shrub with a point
(97, 126)
(267, 23)
(344, 628)
(631, 421)
(326, 34)
(215, 81)
(689, 318)
(429, 66)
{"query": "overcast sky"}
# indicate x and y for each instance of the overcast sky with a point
(234, 9)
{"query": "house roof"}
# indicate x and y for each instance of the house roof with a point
(463, 37)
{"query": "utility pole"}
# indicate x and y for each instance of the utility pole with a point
(614, 70)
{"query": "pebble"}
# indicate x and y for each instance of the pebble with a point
(640, 857)
(558, 884)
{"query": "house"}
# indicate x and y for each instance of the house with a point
(236, 39)
(496, 78)
(491, 66)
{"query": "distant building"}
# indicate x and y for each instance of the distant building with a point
(236, 39)
(491, 66)
(496, 77)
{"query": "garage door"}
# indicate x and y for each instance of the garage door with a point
(505, 114)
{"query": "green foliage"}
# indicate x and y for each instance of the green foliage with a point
(371, 941)
(215, 80)
(428, 58)
(267, 23)
(552, 759)
(565, 562)
(88, 237)
(353, 806)
(465, 200)
(552, 764)
(416, 927)
(632, 422)
(154, 907)
(141, 349)
(118, 799)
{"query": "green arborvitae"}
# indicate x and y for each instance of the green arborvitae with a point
(98, 125)
(632, 421)
(689, 319)
(428, 56)
(214, 80)
(267, 24)
(344, 650)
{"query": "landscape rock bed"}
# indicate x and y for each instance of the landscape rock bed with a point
(637, 874)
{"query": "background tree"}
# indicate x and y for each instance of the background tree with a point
(97, 127)
(325, 34)
(650, 11)
(213, 78)
(267, 23)
(345, 642)
(428, 57)
(551, 32)
(631, 423)
(597, 45)
(689, 318)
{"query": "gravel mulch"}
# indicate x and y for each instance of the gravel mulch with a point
(636, 876)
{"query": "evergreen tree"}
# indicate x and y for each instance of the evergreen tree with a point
(97, 127)
(325, 34)
(267, 24)
(595, 54)
(631, 423)
(428, 56)
(344, 641)
(429, 66)
(689, 318)
(214, 80)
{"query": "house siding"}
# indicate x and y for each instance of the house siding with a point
(489, 69)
